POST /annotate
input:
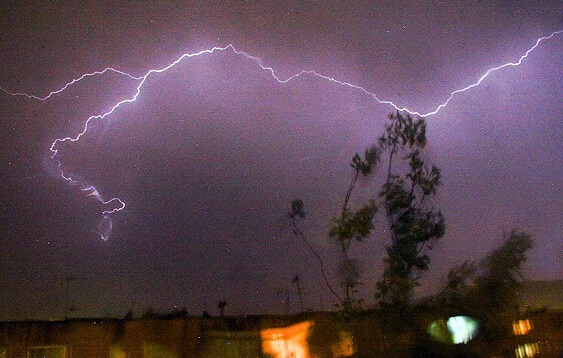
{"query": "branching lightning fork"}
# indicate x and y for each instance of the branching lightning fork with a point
(120, 205)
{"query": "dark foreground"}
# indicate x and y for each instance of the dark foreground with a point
(311, 335)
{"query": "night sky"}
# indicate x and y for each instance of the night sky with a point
(210, 155)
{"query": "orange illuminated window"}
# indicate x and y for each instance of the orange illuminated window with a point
(521, 327)
(287, 342)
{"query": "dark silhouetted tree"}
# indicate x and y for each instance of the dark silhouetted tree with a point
(458, 283)
(353, 226)
(407, 197)
(414, 223)
(356, 225)
(494, 297)
(503, 271)
(488, 290)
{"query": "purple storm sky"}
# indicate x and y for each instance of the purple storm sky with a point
(210, 155)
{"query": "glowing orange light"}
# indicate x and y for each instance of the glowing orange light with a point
(287, 342)
(521, 327)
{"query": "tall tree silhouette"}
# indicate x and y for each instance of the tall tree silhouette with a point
(414, 223)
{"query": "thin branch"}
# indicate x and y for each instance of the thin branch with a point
(319, 258)
(350, 189)
(346, 244)
(421, 247)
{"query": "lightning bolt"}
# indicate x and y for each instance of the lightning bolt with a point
(120, 204)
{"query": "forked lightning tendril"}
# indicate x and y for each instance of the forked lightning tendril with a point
(120, 205)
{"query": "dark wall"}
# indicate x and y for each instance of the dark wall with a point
(370, 335)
